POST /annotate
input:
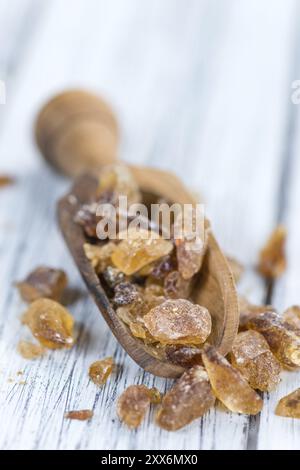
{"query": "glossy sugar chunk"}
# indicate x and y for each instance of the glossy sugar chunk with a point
(43, 282)
(284, 342)
(249, 311)
(252, 356)
(190, 398)
(178, 322)
(119, 179)
(86, 217)
(163, 267)
(138, 330)
(184, 356)
(134, 403)
(175, 287)
(99, 371)
(125, 293)
(292, 317)
(50, 323)
(289, 406)
(141, 248)
(272, 260)
(229, 385)
(190, 241)
(113, 276)
(99, 255)
(29, 350)
(80, 415)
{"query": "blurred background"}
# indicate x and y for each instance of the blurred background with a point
(200, 87)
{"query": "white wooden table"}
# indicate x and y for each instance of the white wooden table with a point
(202, 87)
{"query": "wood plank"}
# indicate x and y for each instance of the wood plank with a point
(277, 432)
(234, 144)
(195, 89)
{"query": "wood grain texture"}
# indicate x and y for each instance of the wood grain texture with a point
(203, 91)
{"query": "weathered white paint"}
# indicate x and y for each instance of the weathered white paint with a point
(200, 87)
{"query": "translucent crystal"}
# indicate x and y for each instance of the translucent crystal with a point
(272, 260)
(118, 178)
(142, 247)
(155, 395)
(30, 350)
(6, 180)
(139, 308)
(50, 323)
(190, 398)
(163, 267)
(252, 356)
(99, 371)
(249, 311)
(175, 287)
(125, 293)
(138, 330)
(292, 317)
(134, 403)
(87, 219)
(178, 322)
(43, 282)
(146, 270)
(80, 415)
(184, 356)
(190, 241)
(153, 290)
(99, 255)
(282, 339)
(113, 276)
(125, 314)
(189, 260)
(289, 406)
(229, 385)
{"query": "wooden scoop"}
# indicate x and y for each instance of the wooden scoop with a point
(215, 287)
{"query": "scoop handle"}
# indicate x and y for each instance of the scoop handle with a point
(77, 131)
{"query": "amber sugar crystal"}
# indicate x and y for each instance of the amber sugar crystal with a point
(190, 398)
(191, 242)
(272, 259)
(252, 356)
(125, 293)
(132, 314)
(138, 330)
(6, 180)
(291, 316)
(289, 406)
(134, 403)
(29, 350)
(163, 267)
(140, 248)
(50, 323)
(87, 219)
(229, 385)
(113, 276)
(99, 371)
(80, 415)
(249, 311)
(43, 282)
(184, 356)
(178, 322)
(118, 178)
(99, 255)
(284, 342)
(175, 287)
